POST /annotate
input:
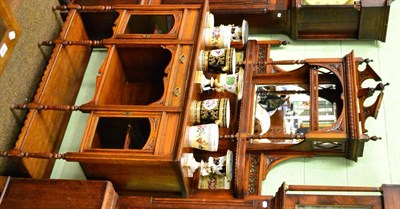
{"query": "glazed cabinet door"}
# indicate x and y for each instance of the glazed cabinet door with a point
(128, 134)
(149, 24)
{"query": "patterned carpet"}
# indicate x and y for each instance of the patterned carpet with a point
(24, 69)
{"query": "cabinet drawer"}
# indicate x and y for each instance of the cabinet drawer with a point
(179, 76)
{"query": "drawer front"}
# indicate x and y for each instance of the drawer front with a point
(179, 76)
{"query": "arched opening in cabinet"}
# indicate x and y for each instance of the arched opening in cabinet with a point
(121, 133)
(149, 24)
(308, 99)
(135, 76)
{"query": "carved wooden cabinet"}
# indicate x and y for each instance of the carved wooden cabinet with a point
(134, 133)
(137, 133)
(307, 19)
(320, 111)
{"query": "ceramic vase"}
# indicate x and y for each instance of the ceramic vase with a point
(240, 33)
(205, 83)
(218, 37)
(209, 21)
(211, 111)
(204, 137)
(230, 82)
(239, 57)
(218, 60)
(218, 166)
(191, 163)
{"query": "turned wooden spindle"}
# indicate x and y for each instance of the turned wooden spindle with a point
(367, 92)
(381, 86)
(38, 106)
(41, 155)
(269, 62)
(84, 43)
(277, 136)
(274, 42)
(47, 43)
(366, 61)
(287, 92)
(83, 8)
(78, 43)
(285, 62)
(227, 136)
(375, 138)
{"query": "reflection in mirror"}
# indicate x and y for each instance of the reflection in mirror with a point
(284, 110)
(327, 113)
(149, 24)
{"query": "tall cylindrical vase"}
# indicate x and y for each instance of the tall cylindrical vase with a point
(218, 60)
(204, 137)
(211, 111)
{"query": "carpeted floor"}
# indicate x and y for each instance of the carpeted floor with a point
(24, 69)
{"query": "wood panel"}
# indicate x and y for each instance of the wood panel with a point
(391, 196)
(43, 130)
(111, 81)
(158, 178)
(48, 194)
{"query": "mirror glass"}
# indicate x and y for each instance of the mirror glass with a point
(149, 24)
(282, 109)
(285, 109)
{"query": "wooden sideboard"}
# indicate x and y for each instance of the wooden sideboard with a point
(137, 133)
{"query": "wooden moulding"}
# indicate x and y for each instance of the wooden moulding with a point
(43, 131)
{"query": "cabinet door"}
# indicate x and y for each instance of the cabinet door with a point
(150, 24)
(128, 135)
(121, 132)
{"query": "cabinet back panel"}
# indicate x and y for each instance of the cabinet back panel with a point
(135, 76)
(99, 25)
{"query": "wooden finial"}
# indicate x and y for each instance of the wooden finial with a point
(375, 138)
